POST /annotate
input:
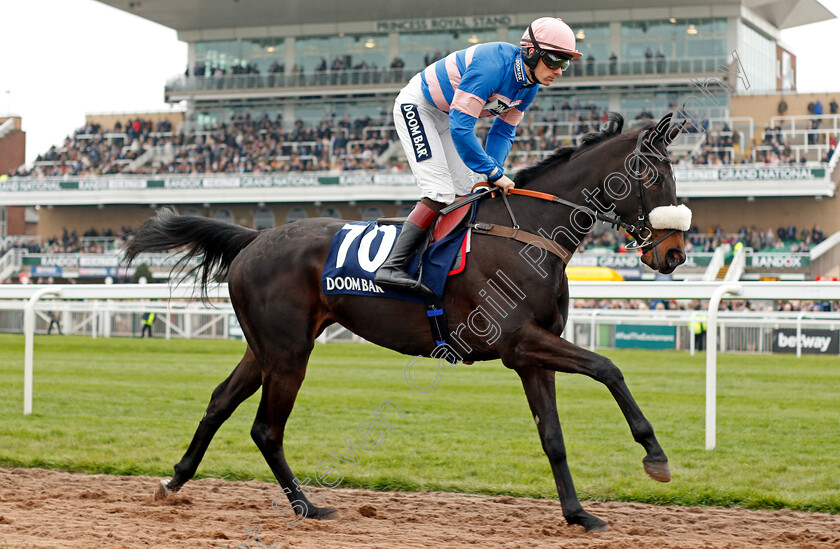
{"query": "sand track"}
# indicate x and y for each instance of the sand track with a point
(40, 508)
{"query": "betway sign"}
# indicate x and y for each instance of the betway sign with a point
(820, 342)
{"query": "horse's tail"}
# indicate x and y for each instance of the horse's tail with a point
(216, 242)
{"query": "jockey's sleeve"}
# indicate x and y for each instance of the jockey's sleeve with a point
(482, 79)
(462, 129)
(499, 140)
(503, 131)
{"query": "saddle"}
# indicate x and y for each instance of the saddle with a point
(445, 224)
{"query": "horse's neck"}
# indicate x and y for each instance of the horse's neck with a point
(573, 183)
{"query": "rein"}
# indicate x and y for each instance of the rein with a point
(636, 230)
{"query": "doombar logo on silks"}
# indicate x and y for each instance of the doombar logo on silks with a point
(518, 71)
(416, 132)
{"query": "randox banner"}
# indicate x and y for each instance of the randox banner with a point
(815, 342)
(640, 336)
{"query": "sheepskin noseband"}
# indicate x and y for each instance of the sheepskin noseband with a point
(670, 217)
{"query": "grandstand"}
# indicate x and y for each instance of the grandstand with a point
(288, 115)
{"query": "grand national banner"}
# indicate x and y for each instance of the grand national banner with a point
(815, 342)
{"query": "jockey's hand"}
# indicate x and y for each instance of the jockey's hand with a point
(505, 183)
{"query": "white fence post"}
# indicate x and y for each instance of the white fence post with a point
(711, 360)
(592, 331)
(799, 334)
(29, 343)
(94, 321)
(691, 333)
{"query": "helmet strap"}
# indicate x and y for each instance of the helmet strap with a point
(532, 75)
(531, 59)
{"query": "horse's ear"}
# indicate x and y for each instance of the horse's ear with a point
(675, 130)
(665, 133)
(663, 126)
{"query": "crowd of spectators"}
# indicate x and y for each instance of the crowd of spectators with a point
(243, 144)
(263, 144)
(782, 239)
(92, 150)
(91, 242)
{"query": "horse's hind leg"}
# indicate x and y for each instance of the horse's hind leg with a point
(539, 388)
(280, 388)
(242, 383)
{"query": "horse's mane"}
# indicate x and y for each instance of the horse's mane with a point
(611, 128)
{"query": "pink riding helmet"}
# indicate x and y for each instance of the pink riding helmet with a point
(551, 34)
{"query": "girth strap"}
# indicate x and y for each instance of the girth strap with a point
(524, 237)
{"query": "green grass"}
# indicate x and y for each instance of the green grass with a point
(129, 406)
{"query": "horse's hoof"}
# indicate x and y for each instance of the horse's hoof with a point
(589, 522)
(658, 470)
(162, 490)
(596, 525)
(323, 513)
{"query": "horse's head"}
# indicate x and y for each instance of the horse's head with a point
(645, 196)
(624, 179)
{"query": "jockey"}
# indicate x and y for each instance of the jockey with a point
(435, 116)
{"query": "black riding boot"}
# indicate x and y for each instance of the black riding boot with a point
(391, 274)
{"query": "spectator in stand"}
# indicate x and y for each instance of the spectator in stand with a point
(813, 136)
(397, 66)
(833, 106)
(660, 62)
(829, 153)
(613, 63)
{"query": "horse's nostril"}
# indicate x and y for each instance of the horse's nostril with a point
(675, 257)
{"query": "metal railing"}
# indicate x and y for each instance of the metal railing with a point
(11, 262)
(183, 320)
(740, 331)
(366, 77)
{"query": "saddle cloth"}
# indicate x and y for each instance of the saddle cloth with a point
(360, 247)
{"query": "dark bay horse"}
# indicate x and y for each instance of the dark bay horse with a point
(275, 288)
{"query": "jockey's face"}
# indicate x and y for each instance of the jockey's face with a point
(544, 75)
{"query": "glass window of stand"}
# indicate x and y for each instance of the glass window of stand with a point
(341, 52)
(420, 49)
(661, 41)
(262, 53)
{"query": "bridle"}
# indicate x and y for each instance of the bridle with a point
(638, 228)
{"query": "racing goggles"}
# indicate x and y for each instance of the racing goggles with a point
(555, 60)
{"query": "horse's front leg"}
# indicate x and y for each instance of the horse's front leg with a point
(539, 388)
(538, 347)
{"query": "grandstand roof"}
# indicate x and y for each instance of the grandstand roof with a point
(224, 14)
